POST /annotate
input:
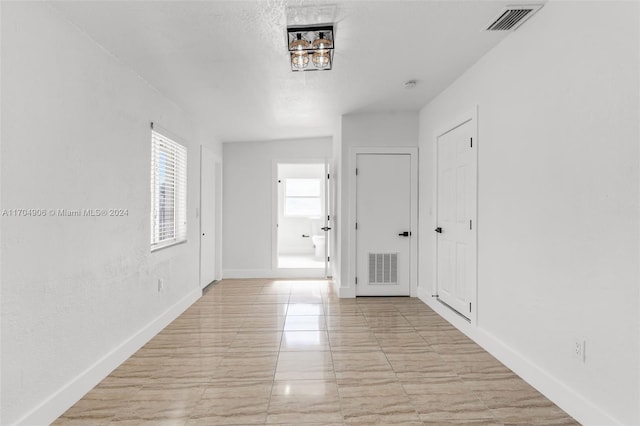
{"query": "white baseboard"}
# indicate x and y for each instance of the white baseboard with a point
(347, 292)
(274, 273)
(55, 405)
(565, 397)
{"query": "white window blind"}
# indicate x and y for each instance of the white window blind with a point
(168, 192)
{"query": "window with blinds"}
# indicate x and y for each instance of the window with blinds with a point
(168, 192)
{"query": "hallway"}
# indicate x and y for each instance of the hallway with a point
(290, 352)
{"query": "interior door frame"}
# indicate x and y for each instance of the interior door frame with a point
(285, 272)
(353, 236)
(469, 115)
(217, 221)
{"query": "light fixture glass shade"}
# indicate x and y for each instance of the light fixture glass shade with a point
(299, 44)
(322, 42)
(300, 60)
(321, 59)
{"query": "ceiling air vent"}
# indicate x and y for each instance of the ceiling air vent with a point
(512, 17)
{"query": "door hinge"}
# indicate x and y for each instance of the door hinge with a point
(356, 171)
(469, 306)
(328, 258)
(471, 142)
(356, 225)
(328, 217)
(328, 176)
(470, 223)
(356, 280)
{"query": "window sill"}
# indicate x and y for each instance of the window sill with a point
(167, 245)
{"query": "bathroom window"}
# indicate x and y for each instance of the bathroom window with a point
(302, 197)
(168, 192)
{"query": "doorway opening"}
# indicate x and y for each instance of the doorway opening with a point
(302, 217)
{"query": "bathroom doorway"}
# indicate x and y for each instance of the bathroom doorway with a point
(302, 218)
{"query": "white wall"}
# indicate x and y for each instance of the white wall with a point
(380, 129)
(79, 294)
(248, 200)
(558, 203)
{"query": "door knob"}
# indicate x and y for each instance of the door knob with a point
(404, 234)
(438, 230)
(326, 228)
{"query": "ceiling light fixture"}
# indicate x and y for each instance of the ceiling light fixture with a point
(310, 41)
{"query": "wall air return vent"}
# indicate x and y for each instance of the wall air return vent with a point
(512, 17)
(383, 268)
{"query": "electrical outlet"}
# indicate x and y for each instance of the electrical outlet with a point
(160, 284)
(579, 346)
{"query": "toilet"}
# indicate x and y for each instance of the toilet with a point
(318, 237)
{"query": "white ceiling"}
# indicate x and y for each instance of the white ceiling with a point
(226, 62)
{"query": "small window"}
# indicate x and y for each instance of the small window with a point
(302, 197)
(168, 192)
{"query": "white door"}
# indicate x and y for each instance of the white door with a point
(327, 220)
(456, 211)
(207, 217)
(383, 224)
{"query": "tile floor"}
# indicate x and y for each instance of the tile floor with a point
(299, 261)
(289, 352)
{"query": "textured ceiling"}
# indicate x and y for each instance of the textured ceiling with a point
(226, 62)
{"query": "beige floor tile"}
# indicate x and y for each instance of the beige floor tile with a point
(347, 323)
(271, 299)
(315, 340)
(262, 351)
(233, 403)
(376, 402)
(341, 340)
(446, 398)
(64, 421)
(315, 309)
(411, 365)
(401, 341)
(263, 323)
(304, 366)
(179, 421)
(113, 389)
(93, 411)
(242, 366)
(300, 401)
(264, 341)
(362, 365)
(268, 309)
(178, 393)
(190, 369)
(305, 322)
(306, 298)
(388, 322)
(334, 308)
(138, 367)
(156, 411)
